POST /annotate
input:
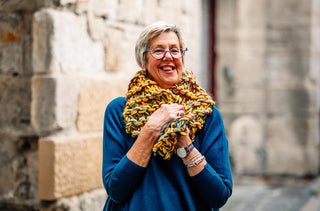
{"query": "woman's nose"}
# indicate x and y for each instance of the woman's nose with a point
(167, 56)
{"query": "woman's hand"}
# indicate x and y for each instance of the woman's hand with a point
(141, 150)
(165, 114)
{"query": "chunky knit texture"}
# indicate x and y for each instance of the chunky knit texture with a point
(144, 97)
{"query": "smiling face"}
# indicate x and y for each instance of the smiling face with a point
(167, 71)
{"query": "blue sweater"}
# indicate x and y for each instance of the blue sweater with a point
(164, 184)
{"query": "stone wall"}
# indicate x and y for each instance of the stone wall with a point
(61, 62)
(269, 85)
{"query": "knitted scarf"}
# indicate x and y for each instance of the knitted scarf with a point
(144, 97)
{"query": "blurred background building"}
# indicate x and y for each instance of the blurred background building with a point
(62, 61)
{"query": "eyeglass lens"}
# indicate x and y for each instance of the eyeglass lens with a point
(160, 53)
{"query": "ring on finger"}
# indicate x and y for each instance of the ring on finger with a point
(179, 113)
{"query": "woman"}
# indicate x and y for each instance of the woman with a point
(164, 145)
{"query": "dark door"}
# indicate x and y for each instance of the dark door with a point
(212, 50)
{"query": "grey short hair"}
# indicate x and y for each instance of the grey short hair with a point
(150, 32)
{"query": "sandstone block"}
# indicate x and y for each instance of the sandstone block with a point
(66, 2)
(149, 11)
(130, 10)
(69, 166)
(170, 11)
(119, 46)
(54, 103)
(108, 9)
(115, 50)
(94, 96)
(69, 48)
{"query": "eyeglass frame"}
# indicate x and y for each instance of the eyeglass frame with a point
(165, 52)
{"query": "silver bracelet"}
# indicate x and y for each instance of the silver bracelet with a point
(194, 161)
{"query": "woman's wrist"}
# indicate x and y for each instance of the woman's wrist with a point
(184, 141)
(152, 131)
(194, 160)
(191, 154)
(141, 150)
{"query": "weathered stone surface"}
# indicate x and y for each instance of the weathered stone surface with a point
(29, 5)
(90, 200)
(246, 140)
(291, 12)
(93, 200)
(18, 161)
(293, 101)
(15, 101)
(94, 96)
(246, 11)
(54, 103)
(69, 165)
(18, 5)
(267, 72)
(291, 145)
(7, 155)
(11, 49)
(61, 44)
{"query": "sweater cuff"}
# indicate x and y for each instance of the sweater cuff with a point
(211, 187)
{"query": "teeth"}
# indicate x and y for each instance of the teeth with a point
(167, 68)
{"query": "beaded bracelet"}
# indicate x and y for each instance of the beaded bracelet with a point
(194, 161)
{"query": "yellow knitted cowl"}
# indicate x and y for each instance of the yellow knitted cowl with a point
(144, 97)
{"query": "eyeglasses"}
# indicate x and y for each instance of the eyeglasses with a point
(160, 53)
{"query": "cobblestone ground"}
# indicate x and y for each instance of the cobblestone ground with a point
(261, 197)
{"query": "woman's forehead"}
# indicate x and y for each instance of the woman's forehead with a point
(164, 39)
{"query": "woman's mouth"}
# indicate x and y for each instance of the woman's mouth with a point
(167, 68)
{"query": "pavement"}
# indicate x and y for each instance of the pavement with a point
(281, 195)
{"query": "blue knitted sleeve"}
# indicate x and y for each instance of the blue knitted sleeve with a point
(120, 175)
(214, 182)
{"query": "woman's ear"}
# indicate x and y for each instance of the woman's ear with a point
(144, 68)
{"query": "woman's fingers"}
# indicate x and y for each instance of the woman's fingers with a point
(165, 114)
(173, 111)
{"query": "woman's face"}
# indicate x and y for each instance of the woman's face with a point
(167, 71)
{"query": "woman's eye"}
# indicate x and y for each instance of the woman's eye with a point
(175, 50)
(158, 51)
